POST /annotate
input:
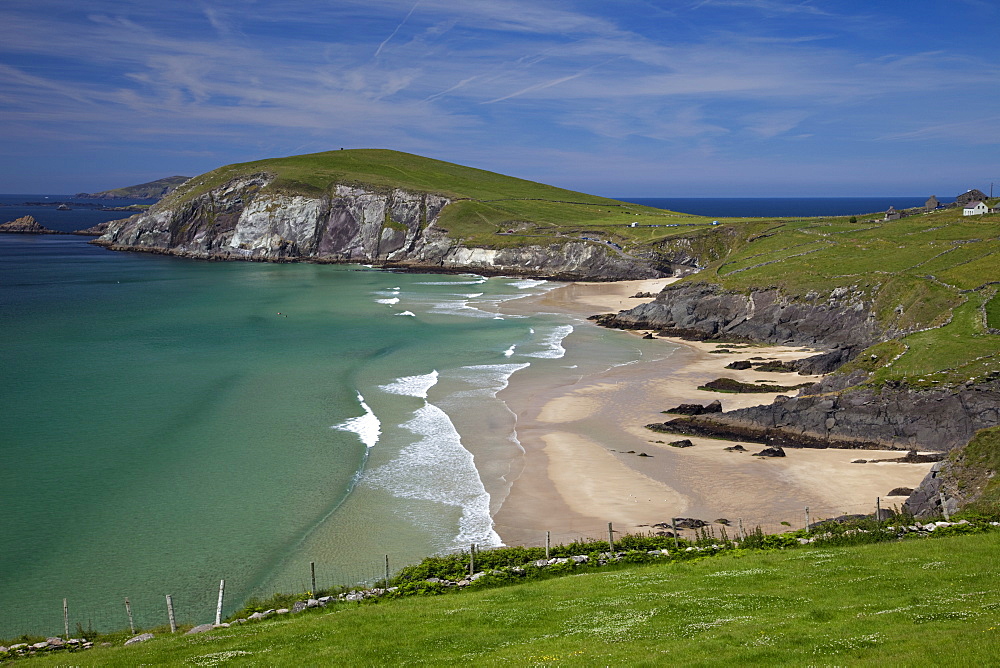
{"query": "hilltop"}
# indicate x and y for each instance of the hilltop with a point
(403, 210)
(152, 190)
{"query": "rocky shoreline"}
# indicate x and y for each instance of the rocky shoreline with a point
(842, 410)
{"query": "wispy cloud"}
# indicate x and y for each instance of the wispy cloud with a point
(492, 77)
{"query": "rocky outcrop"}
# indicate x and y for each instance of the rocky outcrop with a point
(967, 478)
(96, 230)
(25, 225)
(842, 320)
(889, 417)
(393, 228)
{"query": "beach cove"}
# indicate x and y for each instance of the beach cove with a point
(584, 441)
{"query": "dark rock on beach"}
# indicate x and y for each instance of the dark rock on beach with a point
(684, 443)
(696, 409)
(770, 452)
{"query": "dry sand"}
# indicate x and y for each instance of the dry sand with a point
(581, 465)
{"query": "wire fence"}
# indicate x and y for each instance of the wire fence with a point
(139, 611)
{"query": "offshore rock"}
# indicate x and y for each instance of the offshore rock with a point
(393, 228)
(25, 225)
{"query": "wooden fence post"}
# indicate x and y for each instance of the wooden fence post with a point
(548, 543)
(312, 577)
(66, 618)
(387, 571)
(218, 608)
(170, 614)
(128, 609)
(673, 525)
(743, 534)
(472, 559)
(611, 539)
(807, 519)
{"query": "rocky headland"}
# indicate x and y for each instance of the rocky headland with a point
(351, 224)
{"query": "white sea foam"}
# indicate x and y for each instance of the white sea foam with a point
(473, 295)
(488, 379)
(367, 426)
(459, 307)
(477, 282)
(553, 343)
(526, 284)
(410, 313)
(412, 386)
(438, 468)
(390, 301)
(510, 351)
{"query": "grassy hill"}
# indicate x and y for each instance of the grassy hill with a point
(937, 272)
(486, 206)
(912, 603)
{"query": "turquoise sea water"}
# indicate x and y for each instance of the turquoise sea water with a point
(167, 423)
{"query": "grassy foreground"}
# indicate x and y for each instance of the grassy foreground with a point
(912, 603)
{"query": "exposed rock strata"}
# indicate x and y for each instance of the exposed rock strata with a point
(397, 228)
(825, 416)
(843, 322)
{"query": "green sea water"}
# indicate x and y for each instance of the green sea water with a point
(168, 423)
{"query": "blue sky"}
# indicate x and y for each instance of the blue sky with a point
(693, 98)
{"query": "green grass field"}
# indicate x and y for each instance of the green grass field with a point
(922, 602)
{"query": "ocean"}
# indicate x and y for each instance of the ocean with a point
(168, 423)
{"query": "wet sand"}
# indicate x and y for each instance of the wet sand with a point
(582, 442)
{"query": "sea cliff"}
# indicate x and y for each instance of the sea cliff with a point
(395, 228)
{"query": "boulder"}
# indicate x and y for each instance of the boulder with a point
(690, 523)
(714, 407)
(739, 365)
(735, 448)
(772, 451)
(201, 628)
(299, 606)
(683, 443)
(900, 491)
(687, 409)
(142, 637)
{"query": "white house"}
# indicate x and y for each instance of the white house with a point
(975, 209)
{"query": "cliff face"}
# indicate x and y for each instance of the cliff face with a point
(892, 417)
(841, 322)
(398, 228)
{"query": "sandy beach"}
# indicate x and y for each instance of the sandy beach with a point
(582, 465)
